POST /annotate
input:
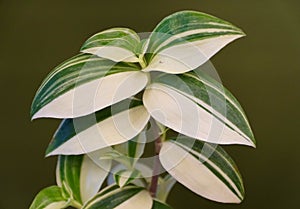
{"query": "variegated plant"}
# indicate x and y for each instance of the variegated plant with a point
(109, 95)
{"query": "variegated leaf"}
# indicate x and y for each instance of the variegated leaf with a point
(117, 44)
(204, 168)
(81, 176)
(120, 198)
(133, 148)
(187, 39)
(125, 177)
(85, 84)
(199, 107)
(112, 125)
(50, 198)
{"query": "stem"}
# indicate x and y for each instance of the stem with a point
(156, 168)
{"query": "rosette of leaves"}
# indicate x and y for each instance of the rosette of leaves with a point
(106, 96)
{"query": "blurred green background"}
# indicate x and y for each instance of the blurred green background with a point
(262, 70)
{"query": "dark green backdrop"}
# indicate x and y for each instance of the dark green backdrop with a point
(262, 70)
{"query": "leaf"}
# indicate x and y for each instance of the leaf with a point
(121, 198)
(207, 95)
(194, 107)
(84, 84)
(204, 168)
(81, 176)
(165, 186)
(159, 205)
(112, 125)
(117, 44)
(187, 39)
(133, 148)
(124, 177)
(49, 198)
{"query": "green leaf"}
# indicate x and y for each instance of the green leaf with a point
(112, 125)
(81, 176)
(196, 105)
(49, 198)
(204, 168)
(159, 205)
(117, 44)
(121, 198)
(187, 39)
(84, 84)
(124, 177)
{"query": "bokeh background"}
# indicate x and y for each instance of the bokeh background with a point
(262, 70)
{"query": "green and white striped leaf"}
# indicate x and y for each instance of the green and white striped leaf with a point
(187, 39)
(159, 205)
(84, 84)
(204, 168)
(124, 177)
(81, 176)
(50, 198)
(199, 107)
(121, 198)
(117, 44)
(133, 148)
(110, 126)
(165, 186)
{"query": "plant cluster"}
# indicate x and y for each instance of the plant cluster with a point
(123, 94)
